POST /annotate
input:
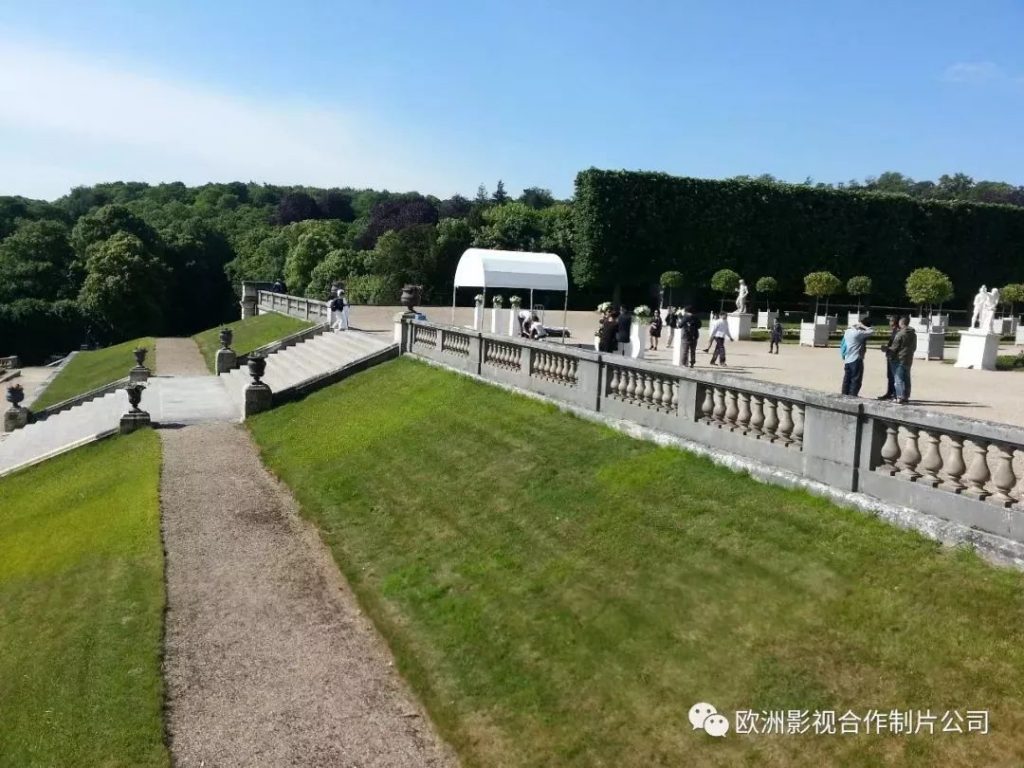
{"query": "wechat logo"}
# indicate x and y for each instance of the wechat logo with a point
(704, 717)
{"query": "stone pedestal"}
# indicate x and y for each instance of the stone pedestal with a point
(478, 316)
(513, 320)
(814, 334)
(227, 360)
(134, 420)
(637, 340)
(258, 398)
(677, 354)
(766, 319)
(15, 417)
(1019, 339)
(978, 350)
(496, 315)
(400, 326)
(138, 374)
(597, 343)
(931, 345)
(739, 326)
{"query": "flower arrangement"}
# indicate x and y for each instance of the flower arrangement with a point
(515, 301)
(479, 298)
(497, 300)
(604, 306)
(642, 313)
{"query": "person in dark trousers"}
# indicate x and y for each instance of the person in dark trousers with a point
(890, 390)
(904, 345)
(719, 333)
(606, 333)
(655, 330)
(689, 329)
(854, 345)
(776, 337)
(625, 324)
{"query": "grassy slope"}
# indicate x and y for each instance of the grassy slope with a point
(560, 594)
(249, 334)
(88, 370)
(82, 598)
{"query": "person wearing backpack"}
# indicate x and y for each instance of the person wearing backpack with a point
(852, 351)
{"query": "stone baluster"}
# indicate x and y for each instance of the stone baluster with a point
(648, 389)
(718, 415)
(770, 430)
(731, 411)
(1003, 478)
(978, 475)
(890, 450)
(785, 428)
(743, 417)
(656, 392)
(931, 460)
(911, 455)
(756, 415)
(707, 407)
(798, 424)
(668, 395)
(954, 466)
(612, 382)
(623, 383)
(631, 385)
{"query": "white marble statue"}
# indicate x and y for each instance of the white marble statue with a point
(741, 299)
(979, 303)
(988, 312)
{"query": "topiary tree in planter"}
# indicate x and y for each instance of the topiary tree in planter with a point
(1012, 294)
(766, 286)
(927, 287)
(671, 279)
(725, 281)
(858, 286)
(821, 285)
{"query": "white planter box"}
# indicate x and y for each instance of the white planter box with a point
(852, 318)
(1006, 326)
(830, 321)
(739, 326)
(766, 318)
(978, 350)
(814, 334)
(637, 340)
(1020, 334)
(931, 345)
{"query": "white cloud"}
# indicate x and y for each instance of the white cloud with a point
(174, 130)
(973, 72)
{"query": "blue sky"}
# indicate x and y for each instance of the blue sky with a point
(440, 96)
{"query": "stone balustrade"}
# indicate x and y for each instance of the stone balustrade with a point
(962, 470)
(295, 306)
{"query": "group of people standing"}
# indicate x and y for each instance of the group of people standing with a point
(899, 357)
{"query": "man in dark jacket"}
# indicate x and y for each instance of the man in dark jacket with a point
(904, 344)
(689, 330)
(625, 324)
(607, 331)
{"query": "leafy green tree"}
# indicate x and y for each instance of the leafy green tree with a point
(105, 222)
(558, 226)
(766, 286)
(537, 198)
(725, 281)
(1012, 294)
(928, 286)
(339, 266)
(408, 256)
(500, 196)
(858, 286)
(125, 286)
(35, 262)
(482, 198)
(310, 249)
(197, 254)
(513, 226)
(821, 285)
(671, 279)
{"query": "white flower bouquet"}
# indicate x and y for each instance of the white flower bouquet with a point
(604, 306)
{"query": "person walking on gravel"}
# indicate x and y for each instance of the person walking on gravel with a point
(719, 333)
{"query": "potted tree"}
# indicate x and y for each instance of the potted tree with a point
(820, 285)
(927, 287)
(725, 281)
(858, 286)
(1013, 294)
(671, 279)
(766, 286)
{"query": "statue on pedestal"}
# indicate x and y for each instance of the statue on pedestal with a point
(985, 304)
(741, 299)
(979, 304)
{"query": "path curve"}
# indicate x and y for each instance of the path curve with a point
(268, 659)
(179, 357)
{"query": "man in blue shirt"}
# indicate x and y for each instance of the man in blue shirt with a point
(853, 347)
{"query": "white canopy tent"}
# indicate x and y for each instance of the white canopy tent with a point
(485, 268)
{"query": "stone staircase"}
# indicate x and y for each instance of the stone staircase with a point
(312, 362)
(174, 400)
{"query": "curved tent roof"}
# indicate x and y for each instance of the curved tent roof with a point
(484, 268)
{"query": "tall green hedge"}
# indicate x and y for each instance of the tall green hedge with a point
(632, 226)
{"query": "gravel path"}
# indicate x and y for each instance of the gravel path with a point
(179, 357)
(268, 659)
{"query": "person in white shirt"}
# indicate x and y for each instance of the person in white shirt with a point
(719, 333)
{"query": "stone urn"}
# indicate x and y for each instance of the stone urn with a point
(226, 337)
(135, 394)
(411, 296)
(140, 355)
(15, 394)
(257, 367)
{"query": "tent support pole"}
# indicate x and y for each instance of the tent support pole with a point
(565, 317)
(453, 305)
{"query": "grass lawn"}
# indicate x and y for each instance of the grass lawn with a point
(250, 334)
(560, 595)
(88, 370)
(81, 601)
